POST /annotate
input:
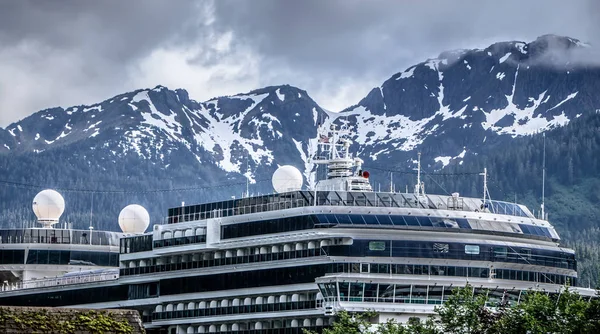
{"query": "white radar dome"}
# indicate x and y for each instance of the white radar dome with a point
(287, 178)
(48, 206)
(134, 219)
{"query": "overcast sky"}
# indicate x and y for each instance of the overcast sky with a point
(63, 53)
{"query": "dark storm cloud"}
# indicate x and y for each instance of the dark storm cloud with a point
(81, 51)
(356, 37)
(118, 30)
(71, 52)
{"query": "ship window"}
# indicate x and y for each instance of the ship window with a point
(500, 251)
(463, 223)
(356, 292)
(364, 267)
(370, 220)
(384, 220)
(440, 248)
(411, 221)
(322, 219)
(8, 256)
(377, 245)
(398, 220)
(546, 232)
(472, 249)
(343, 219)
(425, 221)
(525, 253)
(356, 219)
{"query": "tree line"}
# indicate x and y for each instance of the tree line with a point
(467, 313)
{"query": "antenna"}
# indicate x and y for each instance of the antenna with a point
(419, 187)
(247, 176)
(543, 177)
(486, 193)
(91, 213)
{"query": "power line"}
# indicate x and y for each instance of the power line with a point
(410, 172)
(97, 191)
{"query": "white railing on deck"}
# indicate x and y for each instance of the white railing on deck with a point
(58, 281)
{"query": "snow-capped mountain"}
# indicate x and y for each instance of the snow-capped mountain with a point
(235, 134)
(464, 101)
(459, 104)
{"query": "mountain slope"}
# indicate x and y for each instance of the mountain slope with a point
(462, 102)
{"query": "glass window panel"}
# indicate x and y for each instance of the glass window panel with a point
(376, 245)
(472, 249)
(411, 221)
(384, 220)
(370, 220)
(448, 291)
(356, 292)
(402, 293)
(356, 219)
(425, 221)
(500, 252)
(322, 219)
(546, 232)
(386, 293)
(343, 219)
(419, 294)
(435, 294)
(370, 294)
(398, 221)
(331, 289)
(439, 270)
(525, 229)
(344, 289)
(463, 223)
(383, 268)
(441, 248)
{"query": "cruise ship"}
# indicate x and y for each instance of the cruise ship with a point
(291, 260)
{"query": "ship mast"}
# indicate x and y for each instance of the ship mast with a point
(486, 193)
(344, 172)
(420, 186)
(543, 177)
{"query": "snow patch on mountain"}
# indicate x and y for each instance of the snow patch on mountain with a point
(444, 160)
(505, 57)
(279, 95)
(571, 96)
(221, 136)
(407, 74)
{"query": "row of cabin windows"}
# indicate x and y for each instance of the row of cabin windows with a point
(415, 294)
(455, 251)
(236, 306)
(307, 274)
(239, 206)
(297, 223)
(359, 248)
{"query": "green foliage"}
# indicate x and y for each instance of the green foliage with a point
(41, 321)
(464, 312)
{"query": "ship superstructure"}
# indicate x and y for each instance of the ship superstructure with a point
(55, 254)
(291, 260)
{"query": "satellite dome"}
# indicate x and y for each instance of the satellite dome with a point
(48, 206)
(287, 178)
(134, 219)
